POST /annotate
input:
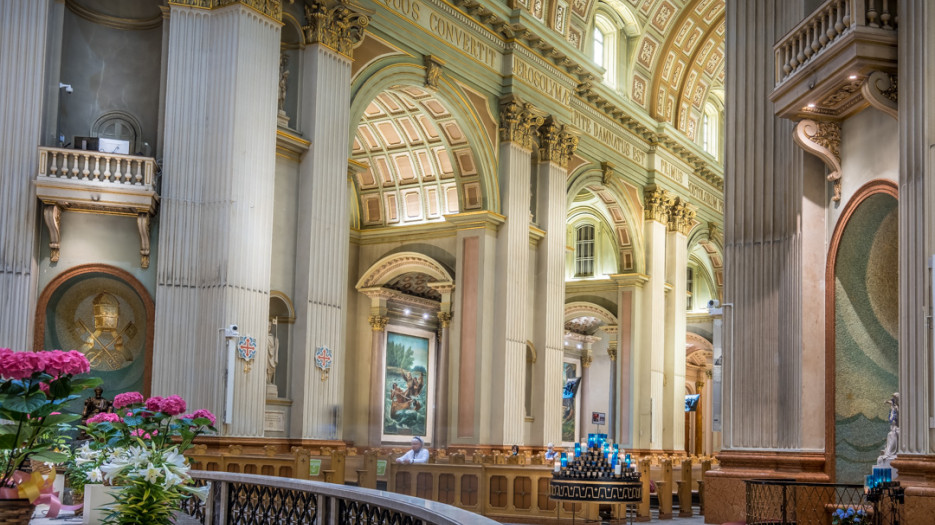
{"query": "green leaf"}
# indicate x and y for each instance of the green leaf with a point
(60, 387)
(25, 404)
(85, 382)
(49, 456)
(57, 419)
(8, 441)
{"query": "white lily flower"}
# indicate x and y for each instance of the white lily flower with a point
(171, 479)
(96, 476)
(151, 474)
(175, 459)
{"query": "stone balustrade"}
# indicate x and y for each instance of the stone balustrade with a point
(96, 166)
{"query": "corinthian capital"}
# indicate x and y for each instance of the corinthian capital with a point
(378, 322)
(518, 122)
(681, 217)
(335, 24)
(269, 8)
(657, 204)
(555, 144)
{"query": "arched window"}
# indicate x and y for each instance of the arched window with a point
(584, 250)
(710, 130)
(605, 47)
(689, 287)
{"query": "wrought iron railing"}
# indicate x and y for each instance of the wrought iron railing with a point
(237, 499)
(789, 502)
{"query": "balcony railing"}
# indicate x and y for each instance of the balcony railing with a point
(95, 166)
(246, 498)
(827, 25)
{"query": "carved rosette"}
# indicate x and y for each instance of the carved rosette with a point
(881, 92)
(335, 24)
(444, 318)
(433, 70)
(519, 122)
(681, 217)
(378, 322)
(823, 139)
(657, 204)
(556, 145)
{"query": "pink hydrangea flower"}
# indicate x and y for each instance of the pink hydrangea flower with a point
(145, 435)
(205, 414)
(58, 362)
(19, 365)
(45, 388)
(154, 404)
(104, 417)
(128, 398)
(172, 405)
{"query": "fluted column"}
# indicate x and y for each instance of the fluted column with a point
(681, 220)
(518, 124)
(442, 386)
(652, 322)
(612, 417)
(556, 146)
(584, 344)
(23, 30)
(378, 321)
(632, 364)
(217, 207)
(332, 30)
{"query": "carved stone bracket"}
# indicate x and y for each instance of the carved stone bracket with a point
(53, 220)
(681, 216)
(555, 143)
(433, 70)
(823, 139)
(657, 204)
(338, 25)
(519, 122)
(142, 222)
(607, 173)
(881, 92)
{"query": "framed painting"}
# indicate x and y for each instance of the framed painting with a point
(408, 384)
(570, 400)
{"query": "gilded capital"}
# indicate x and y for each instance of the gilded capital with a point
(335, 24)
(657, 204)
(586, 360)
(444, 318)
(612, 352)
(270, 8)
(519, 122)
(378, 322)
(556, 145)
(681, 217)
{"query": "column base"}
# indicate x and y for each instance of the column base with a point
(917, 474)
(725, 490)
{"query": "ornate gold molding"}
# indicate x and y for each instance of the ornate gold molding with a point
(823, 139)
(556, 145)
(433, 70)
(519, 122)
(269, 8)
(681, 216)
(444, 318)
(657, 204)
(881, 92)
(338, 25)
(378, 322)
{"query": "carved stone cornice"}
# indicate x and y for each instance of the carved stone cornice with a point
(519, 122)
(556, 145)
(433, 70)
(823, 139)
(378, 322)
(881, 92)
(444, 319)
(338, 25)
(269, 8)
(681, 216)
(657, 204)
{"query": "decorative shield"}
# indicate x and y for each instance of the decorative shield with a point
(323, 360)
(246, 350)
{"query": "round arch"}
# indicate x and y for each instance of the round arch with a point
(576, 309)
(397, 264)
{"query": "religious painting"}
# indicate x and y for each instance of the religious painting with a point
(570, 383)
(105, 317)
(408, 384)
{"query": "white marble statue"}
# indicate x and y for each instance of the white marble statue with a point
(892, 439)
(272, 352)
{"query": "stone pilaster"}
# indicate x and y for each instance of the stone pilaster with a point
(556, 146)
(442, 386)
(632, 363)
(518, 124)
(681, 220)
(217, 207)
(378, 321)
(23, 30)
(333, 29)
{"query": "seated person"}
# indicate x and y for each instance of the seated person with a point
(418, 453)
(515, 450)
(551, 454)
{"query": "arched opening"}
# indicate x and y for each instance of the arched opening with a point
(862, 355)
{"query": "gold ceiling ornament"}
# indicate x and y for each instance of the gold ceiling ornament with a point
(433, 70)
(681, 216)
(822, 138)
(378, 322)
(519, 122)
(657, 204)
(338, 25)
(269, 8)
(555, 143)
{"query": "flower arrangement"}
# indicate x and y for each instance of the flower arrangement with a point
(141, 447)
(34, 389)
(849, 517)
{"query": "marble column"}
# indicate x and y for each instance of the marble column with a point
(378, 321)
(681, 221)
(633, 364)
(699, 419)
(584, 345)
(611, 332)
(556, 146)
(23, 31)
(518, 124)
(442, 386)
(217, 207)
(332, 31)
(653, 424)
